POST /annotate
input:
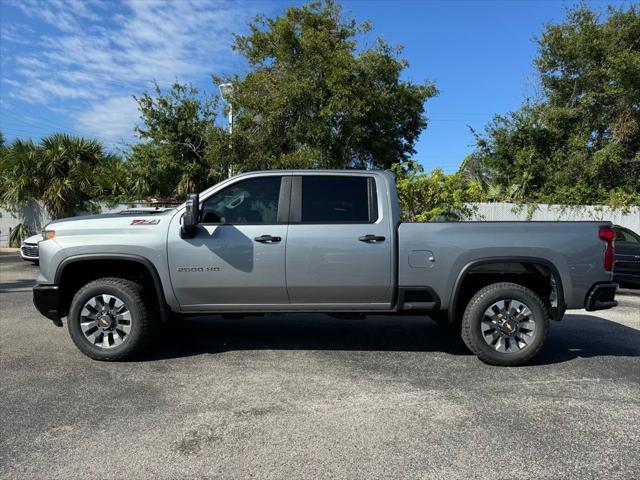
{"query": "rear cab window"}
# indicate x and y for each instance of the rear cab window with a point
(338, 199)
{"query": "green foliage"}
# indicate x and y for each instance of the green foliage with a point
(67, 173)
(314, 99)
(433, 197)
(18, 234)
(311, 99)
(172, 160)
(581, 143)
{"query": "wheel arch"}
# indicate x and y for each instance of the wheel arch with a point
(556, 314)
(121, 260)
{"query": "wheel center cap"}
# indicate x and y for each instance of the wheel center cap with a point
(104, 321)
(508, 326)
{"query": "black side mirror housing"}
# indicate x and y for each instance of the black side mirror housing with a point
(191, 216)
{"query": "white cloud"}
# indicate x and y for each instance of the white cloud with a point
(113, 118)
(97, 54)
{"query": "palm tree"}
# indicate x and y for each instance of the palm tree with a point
(18, 174)
(66, 172)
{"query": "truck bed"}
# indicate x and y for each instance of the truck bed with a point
(438, 254)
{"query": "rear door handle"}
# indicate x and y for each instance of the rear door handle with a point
(267, 239)
(371, 238)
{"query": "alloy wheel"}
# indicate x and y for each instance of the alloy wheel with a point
(105, 321)
(508, 326)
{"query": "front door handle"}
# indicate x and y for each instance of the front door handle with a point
(267, 239)
(371, 238)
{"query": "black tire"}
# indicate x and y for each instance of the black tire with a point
(141, 324)
(474, 314)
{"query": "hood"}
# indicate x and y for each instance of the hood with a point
(137, 212)
(33, 239)
(112, 223)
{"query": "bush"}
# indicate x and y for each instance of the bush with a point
(435, 196)
(18, 234)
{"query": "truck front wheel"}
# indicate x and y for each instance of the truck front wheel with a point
(505, 324)
(109, 319)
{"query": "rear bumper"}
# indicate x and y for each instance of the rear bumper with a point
(625, 277)
(601, 296)
(45, 298)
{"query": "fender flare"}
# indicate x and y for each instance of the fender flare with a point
(451, 314)
(162, 303)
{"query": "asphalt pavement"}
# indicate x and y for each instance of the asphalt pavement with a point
(309, 396)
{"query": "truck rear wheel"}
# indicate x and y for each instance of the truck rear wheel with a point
(505, 324)
(109, 319)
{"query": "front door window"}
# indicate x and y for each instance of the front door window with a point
(253, 201)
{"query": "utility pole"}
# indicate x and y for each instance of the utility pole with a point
(226, 91)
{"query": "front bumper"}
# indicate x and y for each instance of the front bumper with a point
(601, 296)
(45, 298)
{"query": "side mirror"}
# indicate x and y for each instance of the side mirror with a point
(191, 216)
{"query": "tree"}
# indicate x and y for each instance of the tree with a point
(18, 175)
(311, 99)
(172, 160)
(581, 142)
(67, 173)
(3, 155)
(314, 99)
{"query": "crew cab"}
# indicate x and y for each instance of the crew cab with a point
(318, 241)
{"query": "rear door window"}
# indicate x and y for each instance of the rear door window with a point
(339, 199)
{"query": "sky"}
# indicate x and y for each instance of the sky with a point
(74, 65)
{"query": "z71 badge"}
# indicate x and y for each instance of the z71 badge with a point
(145, 222)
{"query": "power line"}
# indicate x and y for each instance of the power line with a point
(20, 133)
(34, 129)
(47, 126)
(40, 122)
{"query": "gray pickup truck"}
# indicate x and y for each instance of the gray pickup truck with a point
(318, 241)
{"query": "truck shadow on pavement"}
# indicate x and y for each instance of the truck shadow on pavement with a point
(7, 287)
(586, 336)
(576, 336)
(215, 334)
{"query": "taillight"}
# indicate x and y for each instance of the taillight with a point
(608, 235)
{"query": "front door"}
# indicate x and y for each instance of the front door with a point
(339, 249)
(237, 257)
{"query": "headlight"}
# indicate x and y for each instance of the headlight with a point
(48, 234)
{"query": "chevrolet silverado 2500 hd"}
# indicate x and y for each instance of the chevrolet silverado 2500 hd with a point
(318, 241)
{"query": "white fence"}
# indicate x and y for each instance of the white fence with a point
(35, 217)
(508, 212)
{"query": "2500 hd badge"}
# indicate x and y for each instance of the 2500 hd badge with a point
(198, 269)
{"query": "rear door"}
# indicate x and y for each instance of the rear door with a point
(339, 246)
